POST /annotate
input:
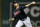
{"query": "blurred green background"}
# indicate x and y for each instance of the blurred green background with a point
(0, 13)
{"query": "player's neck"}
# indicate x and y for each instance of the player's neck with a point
(17, 7)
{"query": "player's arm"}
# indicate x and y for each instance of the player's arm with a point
(30, 4)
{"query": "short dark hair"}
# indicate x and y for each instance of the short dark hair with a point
(15, 2)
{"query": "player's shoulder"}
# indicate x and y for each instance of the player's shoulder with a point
(21, 7)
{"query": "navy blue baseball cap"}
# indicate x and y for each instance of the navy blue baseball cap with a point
(15, 2)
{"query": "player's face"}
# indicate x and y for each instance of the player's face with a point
(16, 4)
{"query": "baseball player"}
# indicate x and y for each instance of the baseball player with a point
(20, 14)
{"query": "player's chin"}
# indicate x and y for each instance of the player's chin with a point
(15, 6)
(33, 3)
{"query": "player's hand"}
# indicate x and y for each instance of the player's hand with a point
(33, 2)
(11, 19)
(30, 4)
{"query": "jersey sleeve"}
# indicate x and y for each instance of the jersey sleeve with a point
(13, 15)
(23, 7)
